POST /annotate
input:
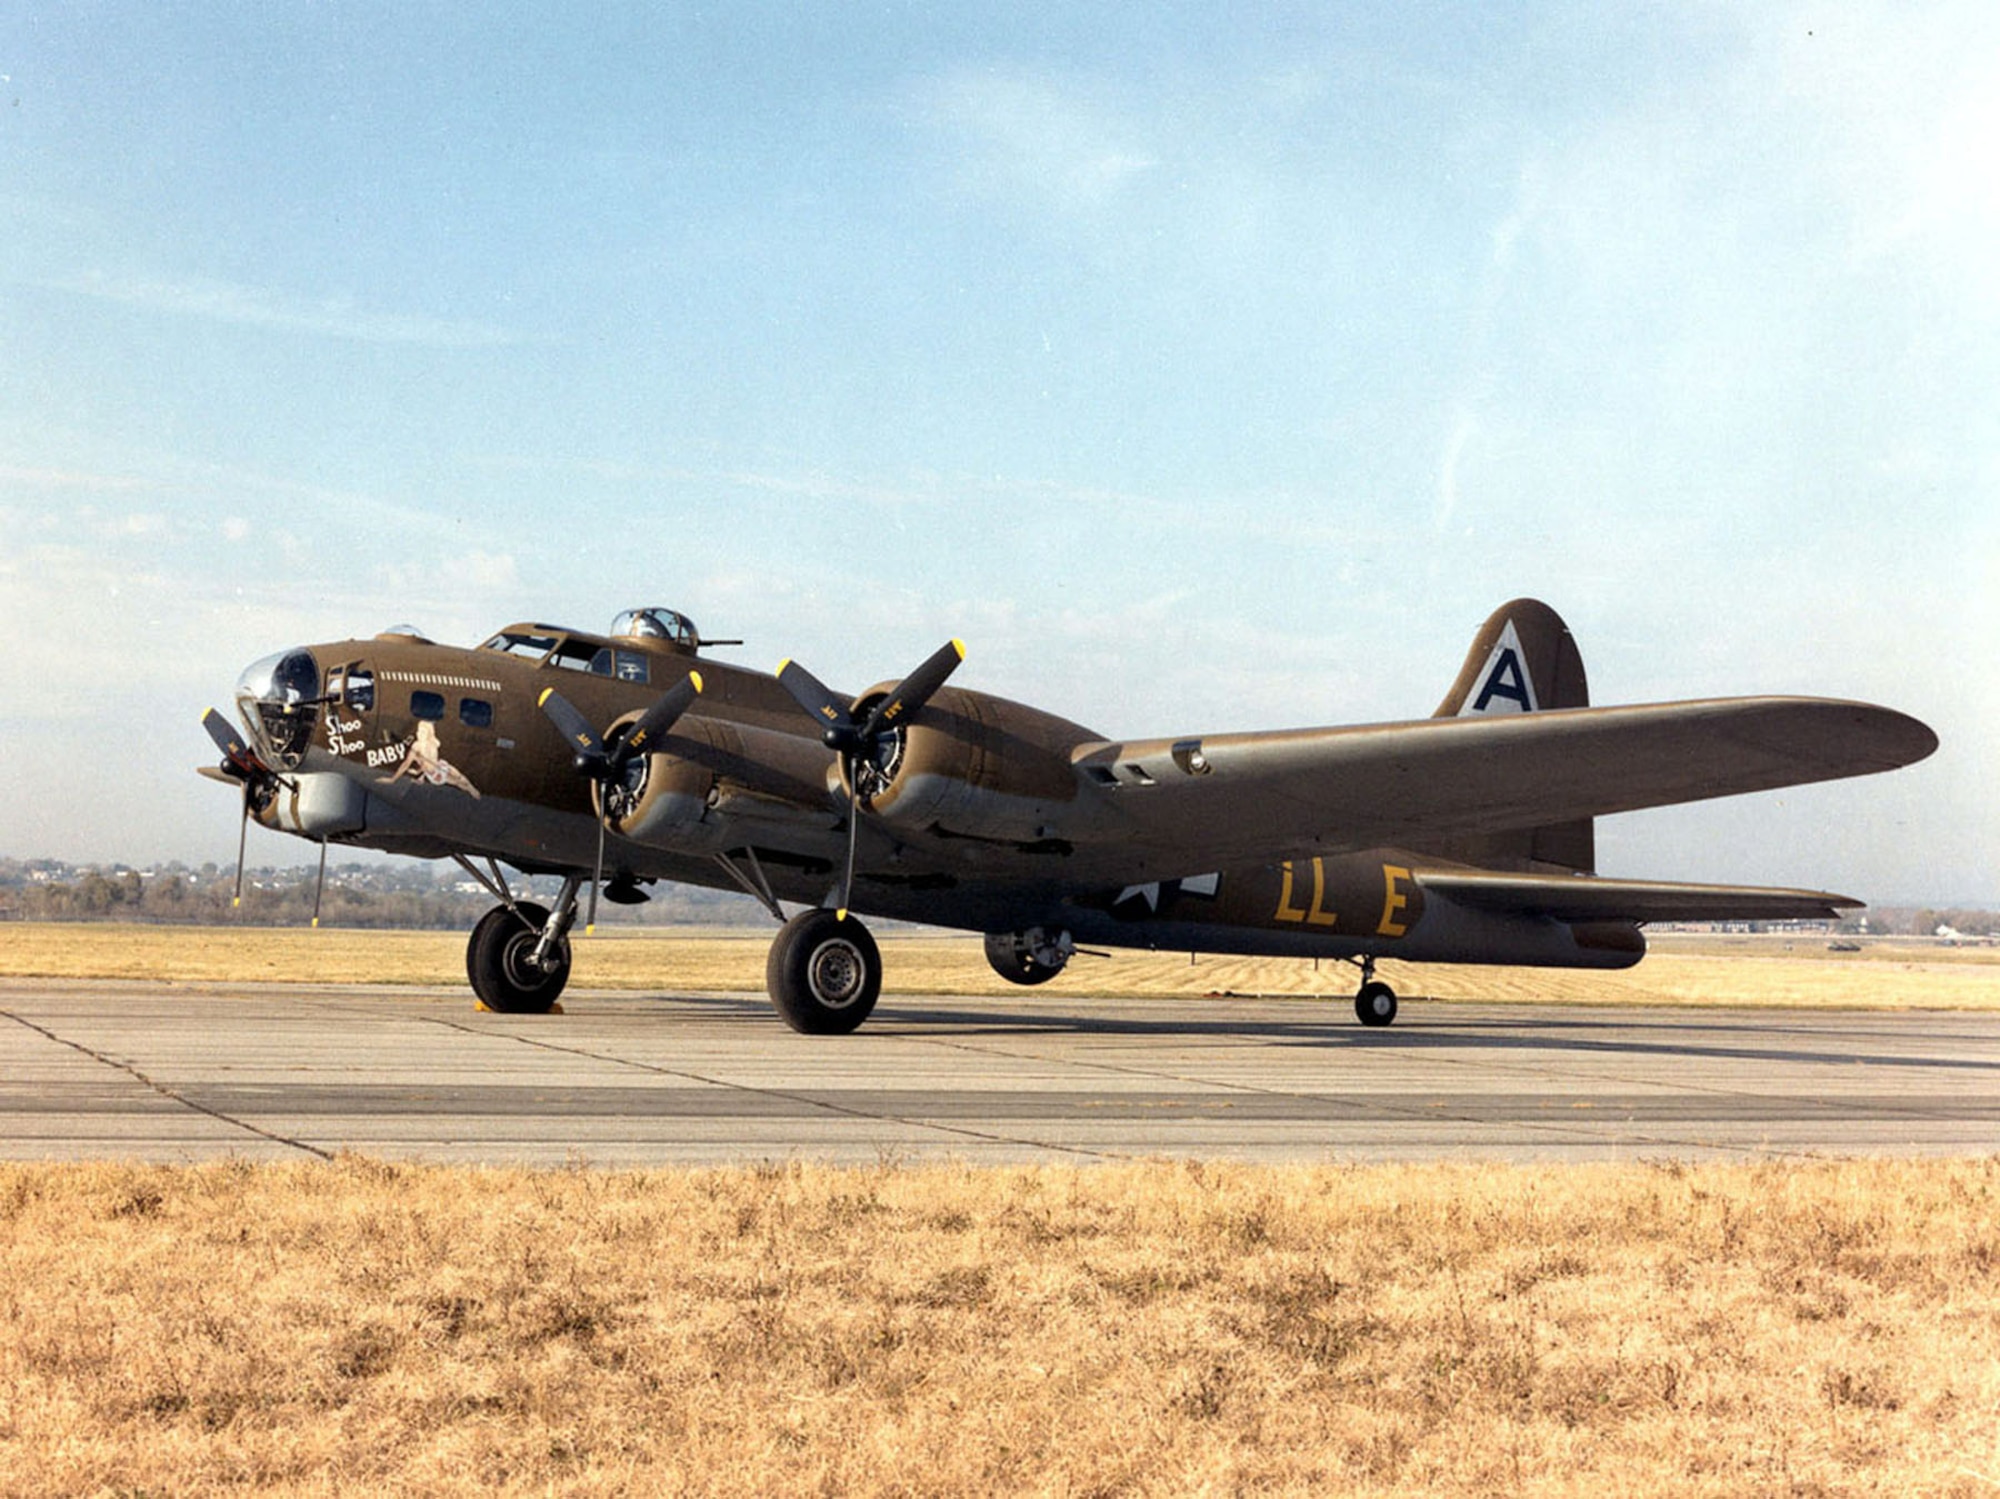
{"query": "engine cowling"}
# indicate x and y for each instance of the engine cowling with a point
(972, 765)
(708, 777)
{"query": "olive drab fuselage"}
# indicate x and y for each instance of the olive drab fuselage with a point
(428, 749)
(633, 757)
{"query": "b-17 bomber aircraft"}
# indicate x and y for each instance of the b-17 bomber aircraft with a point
(618, 760)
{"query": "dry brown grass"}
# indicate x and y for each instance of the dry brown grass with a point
(1146, 1329)
(1682, 970)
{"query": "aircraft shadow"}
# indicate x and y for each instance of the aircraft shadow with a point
(1654, 1033)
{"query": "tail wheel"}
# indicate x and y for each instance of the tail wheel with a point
(500, 961)
(824, 973)
(1375, 1004)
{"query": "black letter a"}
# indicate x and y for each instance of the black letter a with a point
(1505, 680)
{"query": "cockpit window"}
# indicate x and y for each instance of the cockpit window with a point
(519, 643)
(577, 655)
(570, 652)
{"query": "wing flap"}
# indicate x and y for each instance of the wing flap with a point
(1196, 803)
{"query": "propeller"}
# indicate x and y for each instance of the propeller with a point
(245, 766)
(238, 759)
(606, 763)
(857, 743)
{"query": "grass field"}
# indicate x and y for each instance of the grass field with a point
(1681, 970)
(1169, 1328)
(1153, 1328)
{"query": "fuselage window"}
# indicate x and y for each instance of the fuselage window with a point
(475, 713)
(626, 666)
(358, 691)
(428, 705)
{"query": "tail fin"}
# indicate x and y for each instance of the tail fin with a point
(1523, 660)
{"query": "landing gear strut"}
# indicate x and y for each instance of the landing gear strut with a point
(824, 973)
(1376, 1003)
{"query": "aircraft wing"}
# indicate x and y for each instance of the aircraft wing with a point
(1194, 804)
(1588, 898)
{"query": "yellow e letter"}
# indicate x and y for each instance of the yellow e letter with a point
(1394, 899)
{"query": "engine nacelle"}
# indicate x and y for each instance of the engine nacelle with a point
(692, 794)
(318, 804)
(972, 765)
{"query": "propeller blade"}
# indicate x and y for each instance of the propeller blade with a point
(242, 761)
(853, 830)
(914, 690)
(656, 720)
(813, 695)
(596, 879)
(589, 749)
(319, 890)
(242, 843)
(226, 738)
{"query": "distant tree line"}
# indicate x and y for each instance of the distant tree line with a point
(1966, 923)
(173, 898)
(418, 895)
(403, 897)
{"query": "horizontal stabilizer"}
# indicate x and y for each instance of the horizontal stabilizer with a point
(1588, 898)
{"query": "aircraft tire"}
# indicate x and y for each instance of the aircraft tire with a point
(497, 961)
(1375, 1004)
(1014, 963)
(824, 973)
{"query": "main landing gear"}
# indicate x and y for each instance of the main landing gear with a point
(824, 973)
(518, 954)
(1376, 1003)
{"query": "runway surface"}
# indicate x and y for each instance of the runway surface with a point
(141, 1071)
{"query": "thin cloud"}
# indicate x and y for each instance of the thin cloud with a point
(74, 479)
(1037, 138)
(255, 307)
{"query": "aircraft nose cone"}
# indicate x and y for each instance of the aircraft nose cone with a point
(278, 701)
(285, 679)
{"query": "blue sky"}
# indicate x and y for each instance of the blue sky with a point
(1202, 367)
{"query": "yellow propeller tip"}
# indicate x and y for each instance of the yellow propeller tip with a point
(543, 699)
(695, 677)
(959, 646)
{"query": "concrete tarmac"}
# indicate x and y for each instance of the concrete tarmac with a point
(96, 1070)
